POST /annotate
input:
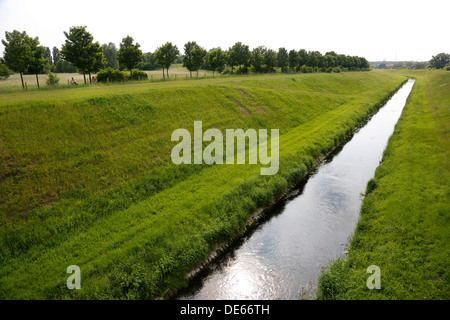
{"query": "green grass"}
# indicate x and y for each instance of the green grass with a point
(86, 176)
(404, 224)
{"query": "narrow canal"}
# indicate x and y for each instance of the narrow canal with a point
(282, 258)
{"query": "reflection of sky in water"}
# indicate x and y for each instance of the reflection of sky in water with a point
(287, 252)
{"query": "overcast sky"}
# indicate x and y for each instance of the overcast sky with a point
(376, 30)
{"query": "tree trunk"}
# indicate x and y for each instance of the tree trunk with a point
(131, 74)
(167, 69)
(37, 80)
(90, 79)
(84, 75)
(21, 78)
(190, 73)
(164, 74)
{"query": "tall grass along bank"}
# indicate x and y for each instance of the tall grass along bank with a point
(87, 178)
(404, 225)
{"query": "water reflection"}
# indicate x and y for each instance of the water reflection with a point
(286, 253)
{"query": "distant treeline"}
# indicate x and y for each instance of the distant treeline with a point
(439, 61)
(79, 53)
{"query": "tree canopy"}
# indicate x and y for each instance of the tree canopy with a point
(194, 56)
(80, 50)
(129, 54)
(166, 55)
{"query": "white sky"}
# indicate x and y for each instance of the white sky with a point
(376, 30)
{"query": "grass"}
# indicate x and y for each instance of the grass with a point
(176, 72)
(404, 224)
(86, 176)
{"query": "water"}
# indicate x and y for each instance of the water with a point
(283, 257)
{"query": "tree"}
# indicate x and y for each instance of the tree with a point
(48, 55)
(283, 59)
(55, 53)
(257, 58)
(270, 60)
(80, 50)
(239, 55)
(99, 61)
(37, 61)
(110, 53)
(303, 57)
(194, 56)
(293, 60)
(166, 55)
(216, 59)
(440, 60)
(129, 54)
(18, 51)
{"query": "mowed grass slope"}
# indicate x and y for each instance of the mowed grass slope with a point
(86, 175)
(405, 217)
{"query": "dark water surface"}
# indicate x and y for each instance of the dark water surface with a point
(283, 257)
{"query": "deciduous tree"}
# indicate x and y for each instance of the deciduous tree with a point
(166, 55)
(129, 54)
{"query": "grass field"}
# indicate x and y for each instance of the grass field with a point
(404, 224)
(176, 72)
(86, 175)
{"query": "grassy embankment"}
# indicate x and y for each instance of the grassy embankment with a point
(86, 175)
(404, 227)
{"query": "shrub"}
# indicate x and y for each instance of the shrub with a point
(336, 70)
(4, 71)
(227, 70)
(52, 79)
(138, 74)
(111, 74)
(306, 69)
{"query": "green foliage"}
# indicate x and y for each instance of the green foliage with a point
(283, 59)
(194, 56)
(63, 66)
(129, 54)
(440, 60)
(166, 55)
(139, 75)
(4, 71)
(110, 53)
(113, 75)
(18, 51)
(52, 79)
(80, 50)
(239, 54)
(405, 215)
(110, 200)
(217, 59)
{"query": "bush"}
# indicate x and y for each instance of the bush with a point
(138, 74)
(306, 69)
(227, 70)
(336, 70)
(52, 79)
(112, 74)
(4, 71)
(447, 68)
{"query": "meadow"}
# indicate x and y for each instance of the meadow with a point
(176, 72)
(404, 224)
(86, 177)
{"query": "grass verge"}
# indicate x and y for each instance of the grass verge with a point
(404, 223)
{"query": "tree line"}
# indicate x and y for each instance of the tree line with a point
(439, 61)
(24, 54)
